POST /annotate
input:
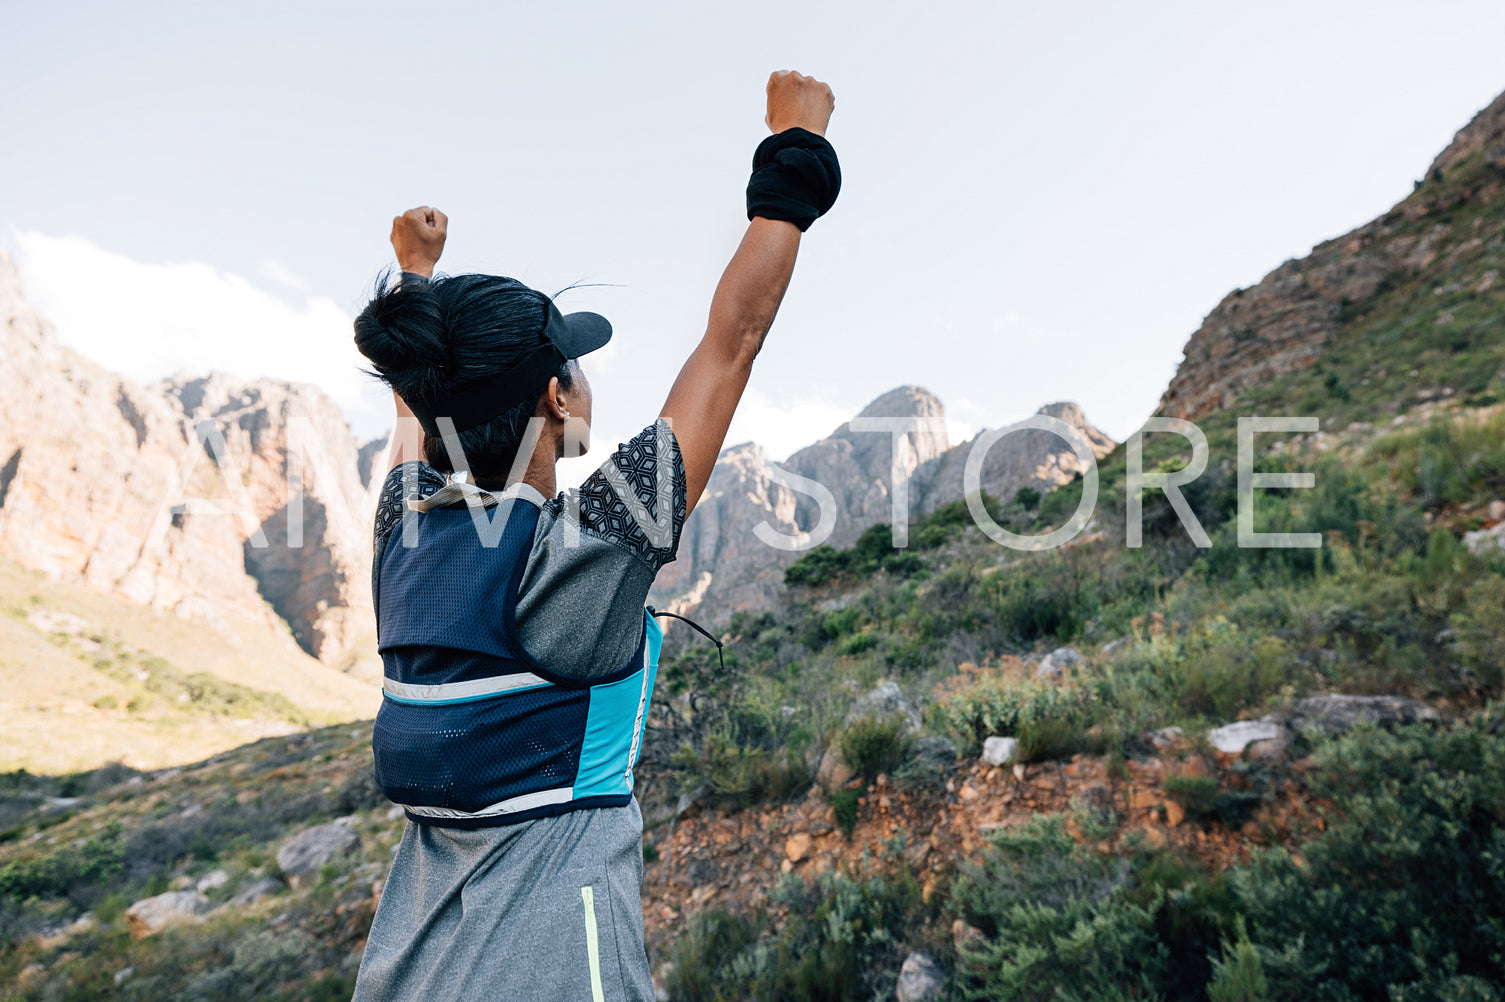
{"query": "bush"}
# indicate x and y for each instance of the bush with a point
(1047, 717)
(1057, 920)
(842, 941)
(1404, 889)
(876, 745)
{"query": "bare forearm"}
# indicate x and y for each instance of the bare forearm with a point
(751, 288)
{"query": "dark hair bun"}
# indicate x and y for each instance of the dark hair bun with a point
(402, 332)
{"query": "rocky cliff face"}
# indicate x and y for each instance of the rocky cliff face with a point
(1292, 316)
(723, 566)
(99, 478)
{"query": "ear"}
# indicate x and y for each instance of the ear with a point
(555, 404)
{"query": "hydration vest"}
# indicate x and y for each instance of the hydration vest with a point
(473, 732)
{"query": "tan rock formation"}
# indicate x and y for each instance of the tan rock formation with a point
(102, 482)
(1288, 320)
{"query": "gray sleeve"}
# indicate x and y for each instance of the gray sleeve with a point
(595, 554)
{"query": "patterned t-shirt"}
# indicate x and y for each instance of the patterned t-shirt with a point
(595, 551)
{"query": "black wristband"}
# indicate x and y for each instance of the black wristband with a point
(796, 177)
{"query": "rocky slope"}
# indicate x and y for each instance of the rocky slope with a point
(99, 476)
(1295, 314)
(723, 565)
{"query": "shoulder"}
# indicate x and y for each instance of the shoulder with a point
(407, 480)
(636, 498)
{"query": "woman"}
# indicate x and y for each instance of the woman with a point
(519, 658)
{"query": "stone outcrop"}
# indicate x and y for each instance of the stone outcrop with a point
(102, 481)
(724, 566)
(1335, 713)
(1031, 457)
(301, 856)
(151, 915)
(1288, 320)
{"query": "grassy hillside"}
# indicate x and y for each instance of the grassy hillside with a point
(86, 680)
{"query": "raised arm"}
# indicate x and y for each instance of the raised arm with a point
(706, 393)
(418, 238)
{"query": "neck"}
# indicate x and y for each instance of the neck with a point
(540, 472)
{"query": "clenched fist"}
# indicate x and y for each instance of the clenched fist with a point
(797, 101)
(418, 239)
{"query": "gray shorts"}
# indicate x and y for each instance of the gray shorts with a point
(546, 909)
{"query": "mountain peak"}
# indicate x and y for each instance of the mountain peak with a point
(1486, 129)
(905, 401)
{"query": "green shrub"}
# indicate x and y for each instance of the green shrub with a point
(1238, 976)
(844, 805)
(873, 746)
(1047, 717)
(1404, 888)
(1198, 794)
(1058, 921)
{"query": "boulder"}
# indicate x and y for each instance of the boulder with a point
(212, 879)
(1232, 739)
(884, 701)
(1058, 662)
(1000, 751)
(936, 754)
(255, 892)
(920, 979)
(834, 773)
(1165, 739)
(302, 855)
(1481, 542)
(1337, 713)
(151, 915)
(797, 846)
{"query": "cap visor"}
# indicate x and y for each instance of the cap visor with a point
(583, 332)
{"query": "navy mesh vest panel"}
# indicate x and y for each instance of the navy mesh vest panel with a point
(472, 731)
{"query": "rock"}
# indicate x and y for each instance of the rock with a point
(1232, 739)
(1058, 662)
(920, 979)
(1000, 751)
(962, 934)
(1195, 766)
(935, 755)
(1166, 738)
(213, 879)
(884, 700)
(1481, 542)
(1174, 813)
(797, 846)
(834, 773)
(1114, 646)
(255, 892)
(301, 856)
(1496, 510)
(1336, 713)
(88, 509)
(151, 915)
(1098, 802)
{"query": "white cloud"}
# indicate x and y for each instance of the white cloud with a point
(783, 429)
(148, 321)
(278, 272)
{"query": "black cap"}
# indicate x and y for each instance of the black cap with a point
(566, 336)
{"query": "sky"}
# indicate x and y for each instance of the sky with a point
(1039, 203)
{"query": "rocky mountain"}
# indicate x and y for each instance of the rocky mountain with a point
(102, 483)
(723, 565)
(1296, 313)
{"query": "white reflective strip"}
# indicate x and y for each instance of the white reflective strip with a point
(463, 490)
(637, 725)
(512, 806)
(463, 690)
(592, 943)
